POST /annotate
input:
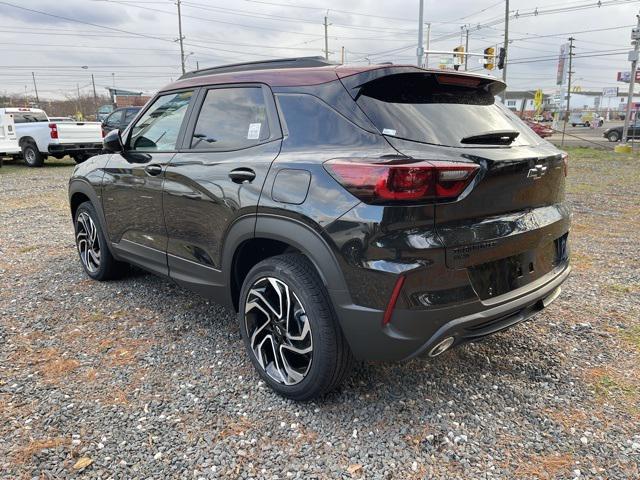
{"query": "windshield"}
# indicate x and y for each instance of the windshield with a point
(422, 108)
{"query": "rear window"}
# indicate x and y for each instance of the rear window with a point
(438, 109)
(28, 117)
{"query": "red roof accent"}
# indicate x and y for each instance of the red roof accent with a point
(292, 77)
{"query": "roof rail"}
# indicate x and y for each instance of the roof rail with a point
(296, 62)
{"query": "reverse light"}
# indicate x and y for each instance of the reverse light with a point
(405, 180)
(54, 130)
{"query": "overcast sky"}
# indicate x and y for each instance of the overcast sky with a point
(138, 49)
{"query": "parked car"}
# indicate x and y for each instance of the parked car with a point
(540, 129)
(614, 134)
(8, 140)
(345, 212)
(119, 119)
(40, 137)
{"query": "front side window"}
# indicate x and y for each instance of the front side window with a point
(231, 119)
(158, 129)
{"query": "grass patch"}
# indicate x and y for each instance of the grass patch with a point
(607, 386)
(27, 249)
(632, 335)
(24, 454)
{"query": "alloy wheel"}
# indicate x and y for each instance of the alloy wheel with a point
(87, 241)
(30, 155)
(279, 331)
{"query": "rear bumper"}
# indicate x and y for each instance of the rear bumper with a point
(414, 332)
(74, 148)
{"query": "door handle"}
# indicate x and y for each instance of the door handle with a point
(242, 175)
(153, 169)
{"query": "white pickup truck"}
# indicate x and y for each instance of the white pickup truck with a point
(39, 137)
(8, 140)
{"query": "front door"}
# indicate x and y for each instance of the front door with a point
(232, 139)
(132, 192)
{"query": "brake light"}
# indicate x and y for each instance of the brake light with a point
(54, 130)
(406, 180)
(565, 163)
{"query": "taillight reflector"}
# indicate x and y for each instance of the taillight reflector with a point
(392, 300)
(54, 130)
(406, 180)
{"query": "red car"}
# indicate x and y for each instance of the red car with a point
(540, 129)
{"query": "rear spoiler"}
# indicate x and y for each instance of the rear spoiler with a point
(353, 82)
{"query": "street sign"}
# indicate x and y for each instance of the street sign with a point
(610, 92)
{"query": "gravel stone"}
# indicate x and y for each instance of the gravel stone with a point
(151, 381)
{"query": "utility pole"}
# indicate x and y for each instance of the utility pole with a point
(568, 109)
(197, 65)
(466, 51)
(95, 96)
(181, 37)
(35, 87)
(426, 55)
(342, 57)
(635, 35)
(506, 40)
(420, 50)
(326, 38)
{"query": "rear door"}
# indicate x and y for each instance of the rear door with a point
(509, 220)
(132, 191)
(216, 178)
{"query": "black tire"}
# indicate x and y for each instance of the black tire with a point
(573, 125)
(31, 155)
(108, 268)
(331, 358)
(613, 136)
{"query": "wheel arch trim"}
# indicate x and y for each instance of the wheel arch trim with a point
(292, 232)
(80, 185)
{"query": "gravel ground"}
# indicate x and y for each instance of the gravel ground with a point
(141, 379)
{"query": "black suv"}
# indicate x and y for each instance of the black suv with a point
(378, 212)
(119, 119)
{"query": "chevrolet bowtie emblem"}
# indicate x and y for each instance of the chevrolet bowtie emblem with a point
(537, 172)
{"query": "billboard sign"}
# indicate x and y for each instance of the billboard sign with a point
(563, 64)
(610, 92)
(626, 76)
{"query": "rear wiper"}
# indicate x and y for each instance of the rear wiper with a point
(498, 137)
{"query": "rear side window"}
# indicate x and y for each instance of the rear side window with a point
(313, 123)
(231, 119)
(113, 120)
(158, 128)
(438, 109)
(29, 117)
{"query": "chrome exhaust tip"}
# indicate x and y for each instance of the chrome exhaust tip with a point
(441, 347)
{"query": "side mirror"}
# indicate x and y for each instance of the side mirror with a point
(112, 143)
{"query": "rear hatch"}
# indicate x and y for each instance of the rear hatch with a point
(508, 226)
(79, 132)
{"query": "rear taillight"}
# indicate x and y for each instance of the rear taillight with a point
(402, 181)
(54, 130)
(565, 163)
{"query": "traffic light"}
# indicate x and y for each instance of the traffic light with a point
(489, 58)
(459, 53)
(501, 58)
